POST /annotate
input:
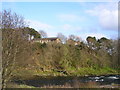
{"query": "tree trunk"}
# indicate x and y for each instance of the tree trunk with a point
(4, 81)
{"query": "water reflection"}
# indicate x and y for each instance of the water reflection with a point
(38, 81)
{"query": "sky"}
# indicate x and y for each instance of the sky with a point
(83, 19)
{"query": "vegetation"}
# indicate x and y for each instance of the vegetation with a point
(22, 58)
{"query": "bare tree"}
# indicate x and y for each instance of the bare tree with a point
(11, 20)
(0, 51)
(43, 33)
(14, 41)
(0, 58)
(77, 39)
(62, 37)
(74, 38)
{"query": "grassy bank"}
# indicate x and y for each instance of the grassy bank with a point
(90, 85)
(76, 84)
(28, 73)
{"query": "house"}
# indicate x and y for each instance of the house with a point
(47, 40)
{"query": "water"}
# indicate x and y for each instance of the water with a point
(105, 80)
(38, 81)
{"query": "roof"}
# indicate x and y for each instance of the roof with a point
(52, 38)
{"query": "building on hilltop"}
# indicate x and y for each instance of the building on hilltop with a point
(47, 40)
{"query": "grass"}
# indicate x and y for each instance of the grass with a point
(14, 85)
(91, 71)
(76, 84)
(28, 73)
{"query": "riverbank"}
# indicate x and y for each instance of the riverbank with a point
(26, 72)
(106, 81)
(85, 86)
(22, 75)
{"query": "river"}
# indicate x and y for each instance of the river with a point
(39, 81)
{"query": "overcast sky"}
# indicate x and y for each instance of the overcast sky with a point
(99, 19)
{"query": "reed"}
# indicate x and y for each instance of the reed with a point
(75, 84)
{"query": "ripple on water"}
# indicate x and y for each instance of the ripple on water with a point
(113, 77)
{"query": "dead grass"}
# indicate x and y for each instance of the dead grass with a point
(75, 84)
